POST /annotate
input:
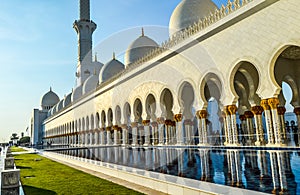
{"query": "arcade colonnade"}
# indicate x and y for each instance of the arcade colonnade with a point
(174, 118)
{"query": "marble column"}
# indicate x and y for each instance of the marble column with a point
(124, 135)
(168, 126)
(97, 136)
(146, 124)
(154, 126)
(249, 117)
(116, 135)
(102, 135)
(244, 127)
(297, 112)
(199, 125)
(161, 124)
(108, 136)
(228, 125)
(268, 118)
(179, 130)
(224, 124)
(173, 132)
(134, 127)
(260, 138)
(273, 103)
(188, 124)
(232, 109)
(281, 111)
(203, 115)
(141, 134)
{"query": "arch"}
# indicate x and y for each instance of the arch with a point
(166, 103)
(118, 115)
(274, 59)
(138, 110)
(127, 113)
(97, 119)
(83, 124)
(150, 106)
(211, 86)
(286, 69)
(79, 125)
(110, 117)
(245, 78)
(103, 119)
(186, 99)
(92, 122)
(87, 121)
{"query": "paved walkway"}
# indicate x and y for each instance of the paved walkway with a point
(118, 181)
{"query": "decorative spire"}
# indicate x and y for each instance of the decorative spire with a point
(143, 33)
(50, 88)
(84, 9)
(114, 55)
(96, 60)
(95, 71)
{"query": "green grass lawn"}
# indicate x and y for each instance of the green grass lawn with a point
(16, 149)
(40, 175)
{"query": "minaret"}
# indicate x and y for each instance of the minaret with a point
(84, 28)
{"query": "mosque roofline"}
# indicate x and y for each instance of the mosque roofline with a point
(174, 47)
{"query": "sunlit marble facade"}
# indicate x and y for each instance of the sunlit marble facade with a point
(236, 57)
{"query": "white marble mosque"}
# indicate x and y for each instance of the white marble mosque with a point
(216, 80)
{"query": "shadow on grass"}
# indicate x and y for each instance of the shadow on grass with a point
(38, 191)
(23, 167)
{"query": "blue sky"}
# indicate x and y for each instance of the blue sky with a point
(38, 46)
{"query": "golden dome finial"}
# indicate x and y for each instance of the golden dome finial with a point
(114, 55)
(96, 59)
(143, 32)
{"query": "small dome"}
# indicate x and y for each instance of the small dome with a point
(49, 100)
(90, 83)
(77, 93)
(67, 100)
(139, 48)
(188, 12)
(60, 106)
(110, 69)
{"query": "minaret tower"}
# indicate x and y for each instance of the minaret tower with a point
(84, 28)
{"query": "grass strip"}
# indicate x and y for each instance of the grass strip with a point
(40, 175)
(16, 149)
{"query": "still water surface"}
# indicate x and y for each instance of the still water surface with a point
(273, 171)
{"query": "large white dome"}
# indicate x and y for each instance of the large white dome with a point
(188, 12)
(49, 100)
(139, 48)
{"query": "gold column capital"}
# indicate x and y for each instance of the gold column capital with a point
(281, 110)
(108, 128)
(264, 103)
(273, 103)
(202, 114)
(232, 109)
(178, 117)
(115, 127)
(124, 126)
(168, 122)
(257, 110)
(242, 117)
(154, 124)
(248, 114)
(146, 122)
(134, 124)
(160, 120)
(297, 110)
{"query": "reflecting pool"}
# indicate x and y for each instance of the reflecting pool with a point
(270, 171)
